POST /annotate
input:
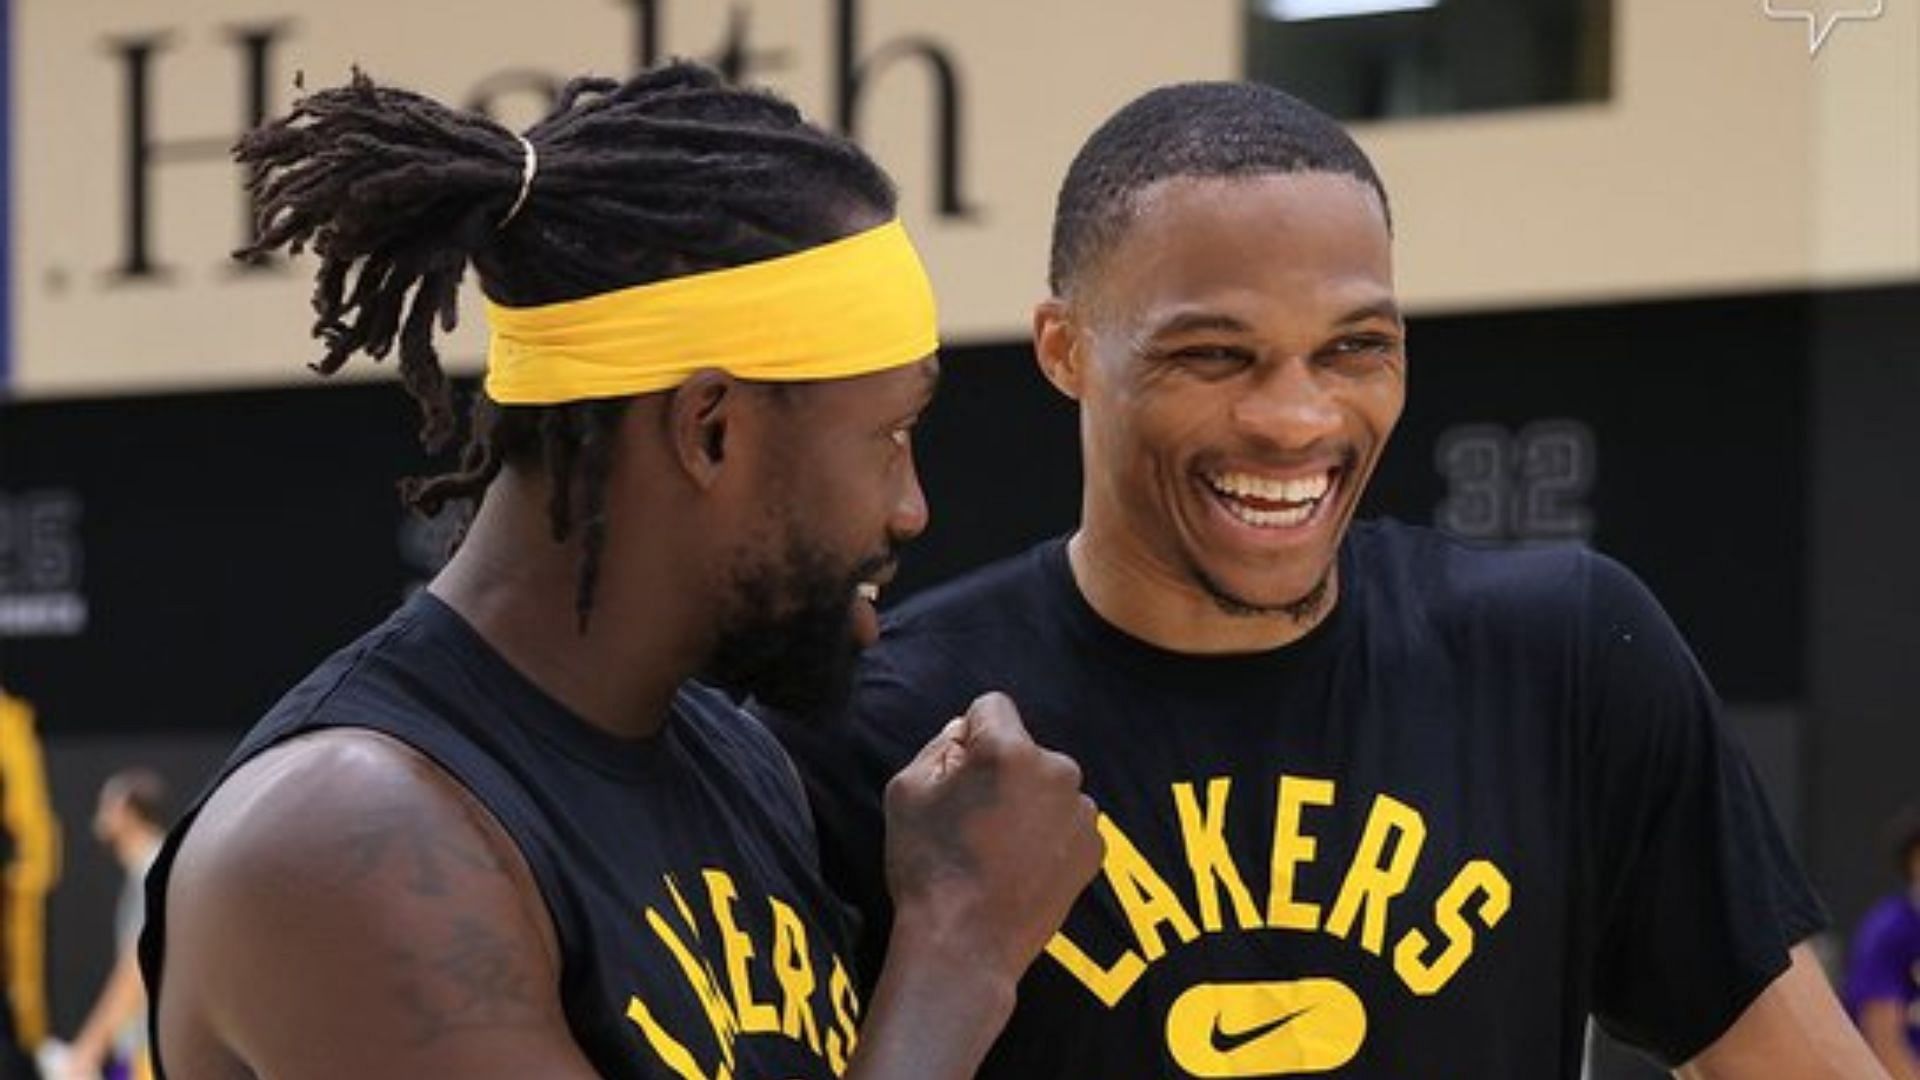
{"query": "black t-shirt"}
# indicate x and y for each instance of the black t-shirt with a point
(680, 871)
(1488, 796)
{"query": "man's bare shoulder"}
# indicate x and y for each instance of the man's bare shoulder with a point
(342, 906)
(339, 807)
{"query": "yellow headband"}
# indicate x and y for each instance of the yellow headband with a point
(854, 306)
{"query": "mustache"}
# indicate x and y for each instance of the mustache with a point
(877, 566)
(1348, 457)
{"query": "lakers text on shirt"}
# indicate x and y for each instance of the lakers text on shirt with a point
(1429, 948)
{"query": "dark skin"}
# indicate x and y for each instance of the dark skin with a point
(1199, 358)
(344, 908)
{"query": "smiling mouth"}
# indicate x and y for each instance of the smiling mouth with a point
(1265, 502)
(874, 575)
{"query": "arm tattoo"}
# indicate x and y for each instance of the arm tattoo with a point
(474, 978)
(426, 854)
(465, 973)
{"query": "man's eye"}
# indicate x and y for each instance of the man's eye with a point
(1212, 354)
(902, 436)
(1365, 344)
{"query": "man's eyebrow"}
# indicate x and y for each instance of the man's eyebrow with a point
(1383, 308)
(920, 398)
(1200, 322)
(1194, 322)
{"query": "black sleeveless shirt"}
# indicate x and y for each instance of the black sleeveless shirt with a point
(680, 871)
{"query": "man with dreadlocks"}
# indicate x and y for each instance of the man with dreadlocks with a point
(1376, 804)
(504, 834)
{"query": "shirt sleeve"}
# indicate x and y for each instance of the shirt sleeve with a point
(1697, 897)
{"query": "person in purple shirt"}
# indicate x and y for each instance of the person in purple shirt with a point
(1883, 970)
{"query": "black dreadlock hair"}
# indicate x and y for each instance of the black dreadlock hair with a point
(1201, 129)
(668, 173)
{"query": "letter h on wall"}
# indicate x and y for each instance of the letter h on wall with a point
(144, 151)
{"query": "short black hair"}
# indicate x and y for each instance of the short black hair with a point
(668, 173)
(144, 792)
(1198, 129)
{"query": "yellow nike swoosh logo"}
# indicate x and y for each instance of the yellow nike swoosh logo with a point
(1249, 1029)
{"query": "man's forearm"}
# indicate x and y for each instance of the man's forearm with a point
(120, 1001)
(934, 1013)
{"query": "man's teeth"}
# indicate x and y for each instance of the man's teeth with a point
(868, 591)
(1289, 502)
(1270, 519)
(1295, 490)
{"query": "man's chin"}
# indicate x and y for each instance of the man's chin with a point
(793, 639)
(1302, 604)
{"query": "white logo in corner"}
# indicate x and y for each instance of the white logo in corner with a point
(1821, 16)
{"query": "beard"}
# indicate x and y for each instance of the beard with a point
(787, 640)
(1304, 610)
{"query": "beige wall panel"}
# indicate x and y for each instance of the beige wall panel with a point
(1728, 159)
(1866, 211)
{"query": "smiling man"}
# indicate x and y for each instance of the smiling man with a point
(1376, 804)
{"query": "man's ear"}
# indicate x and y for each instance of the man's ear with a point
(699, 416)
(1057, 346)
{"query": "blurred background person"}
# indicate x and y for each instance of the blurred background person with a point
(30, 858)
(130, 822)
(1883, 967)
(12, 1054)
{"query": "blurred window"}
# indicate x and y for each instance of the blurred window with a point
(1382, 59)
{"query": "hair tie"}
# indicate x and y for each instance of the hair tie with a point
(529, 162)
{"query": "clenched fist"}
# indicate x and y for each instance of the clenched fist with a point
(989, 839)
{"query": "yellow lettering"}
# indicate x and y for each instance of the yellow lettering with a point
(755, 1016)
(1143, 894)
(1375, 878)
(1109, 984)
(1478, 877)
(680, 905)
(665, 1046)
(1203, 833)
(793, 969)
(700, 977)
(1291, 849)
(845, 1034)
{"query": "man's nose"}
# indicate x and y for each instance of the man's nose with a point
(910, 511)
(1289, 406)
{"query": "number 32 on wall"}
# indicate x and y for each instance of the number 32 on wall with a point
(1515, 486)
